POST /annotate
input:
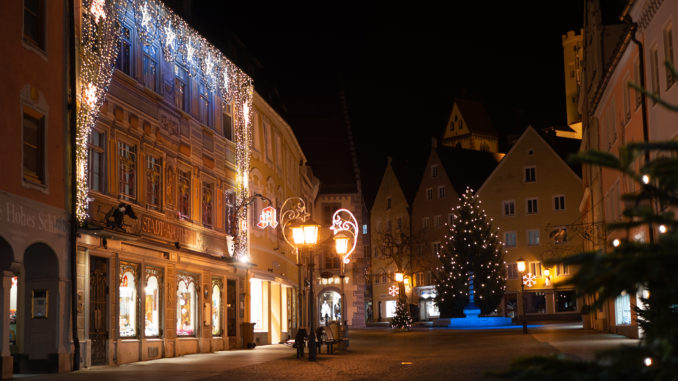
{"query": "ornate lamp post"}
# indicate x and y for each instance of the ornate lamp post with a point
(521, 269)
(345, 228)
(306, 235)
(293, 211)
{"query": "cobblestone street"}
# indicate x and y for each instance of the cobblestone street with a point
(375, 354)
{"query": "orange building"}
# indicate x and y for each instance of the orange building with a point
(34, 230)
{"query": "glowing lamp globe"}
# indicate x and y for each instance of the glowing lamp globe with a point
(298, 235)
(341, 244)
(521, 265)
(310, 233)
(399, 277)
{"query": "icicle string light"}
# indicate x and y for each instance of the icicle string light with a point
(155, 24)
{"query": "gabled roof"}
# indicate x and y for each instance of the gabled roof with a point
(466, 168)
(564, 147)
(563, 144)
(408, 173)
(475, 115)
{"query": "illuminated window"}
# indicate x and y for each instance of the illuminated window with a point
(153, 182)
(152, 301)
(390, 308)
(127, 164)
(216, 307)
(535, 268)
(128, 299)
(622, 309)
(186, 305)
(184, 194)
(207, 205)
(97, 160)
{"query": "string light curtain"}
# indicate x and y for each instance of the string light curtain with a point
(99, 43)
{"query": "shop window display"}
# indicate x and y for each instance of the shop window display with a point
(128, 300)
(566, 301)
(12, 311)
(216, 308)
(390, 308)
(152, 302)
(535, 302)
(186, 305)
(330, 307)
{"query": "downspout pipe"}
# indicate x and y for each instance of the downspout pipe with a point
(70, 8)
(643, 104)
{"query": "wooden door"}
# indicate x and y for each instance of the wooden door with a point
(98, 307)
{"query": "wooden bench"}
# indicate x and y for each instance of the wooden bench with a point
(326, 337)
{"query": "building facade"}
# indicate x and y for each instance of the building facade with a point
(278, 171)
(469, 127)
(442, 183)
(532, 197)
(157, 275)
(35, 275)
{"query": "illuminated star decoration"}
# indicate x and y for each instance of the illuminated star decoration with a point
(393, 290)
(170, 35)
(97, 10)
(145, 16)
(348, 225)
(529, 280)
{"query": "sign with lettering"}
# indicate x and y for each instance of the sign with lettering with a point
(171, 232)
(267, 218)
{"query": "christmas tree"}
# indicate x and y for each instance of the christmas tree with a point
(470, 250)
(402, 318)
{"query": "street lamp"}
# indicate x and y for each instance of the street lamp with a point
(308, 239)
(521, 269)
(292, 214)
(345, 228)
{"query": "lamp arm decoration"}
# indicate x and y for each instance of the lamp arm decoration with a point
(343, 221)
(293, 209)
(241, 212)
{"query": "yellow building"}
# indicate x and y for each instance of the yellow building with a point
(278, 171)
(573, 55)
(157, 274)
(533, 197)
(469, 127)
(390, 218)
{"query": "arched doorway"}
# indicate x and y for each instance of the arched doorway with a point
(329, 307)
(40, 318)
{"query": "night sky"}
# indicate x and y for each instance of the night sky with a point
(400, 67)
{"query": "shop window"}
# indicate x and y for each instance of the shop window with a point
(330, 307)
(33, 146)
(257, 303)
(390, 308)
(127, 162)
(622, 309)
(186, 305)
(184, 194)
(216, 307)
(535, 303)
(153, 182)
(432, 310)
(12, 311)
(97, 161)
(128, 299)
(207, 205)
(152, 301)
(566, 301)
